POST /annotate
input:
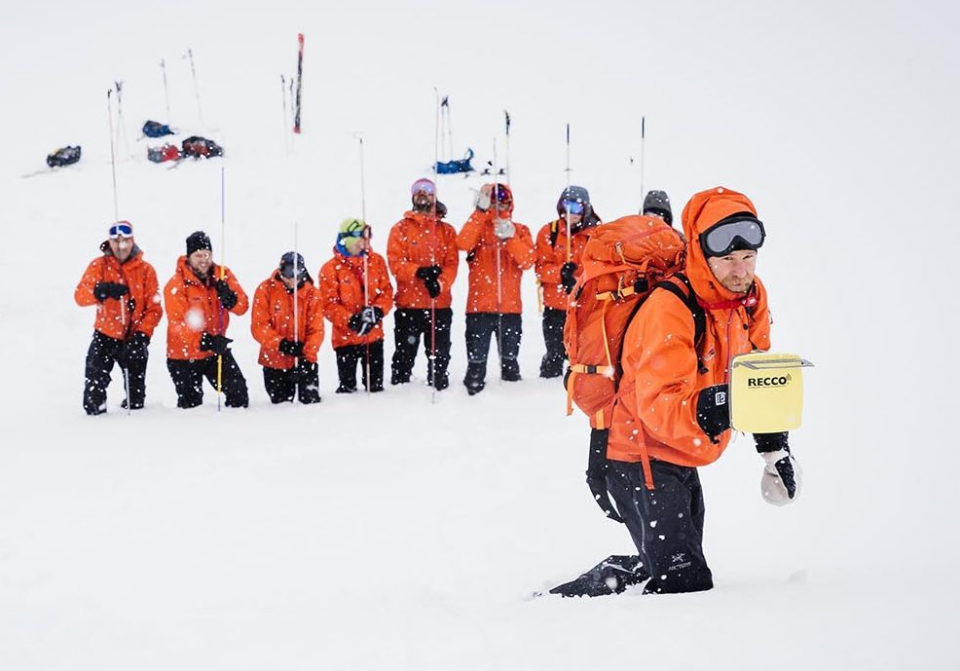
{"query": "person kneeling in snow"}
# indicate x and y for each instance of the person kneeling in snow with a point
(199, 299)
(289, 331)
(357, 294)
(124, 288)
(671, 415)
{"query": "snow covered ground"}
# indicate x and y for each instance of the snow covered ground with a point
(389, 532)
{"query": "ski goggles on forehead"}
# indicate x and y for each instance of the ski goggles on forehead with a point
(732, 234)
(121, 229)
(573, 206)
(358, 233)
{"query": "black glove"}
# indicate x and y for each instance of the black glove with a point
(134, 350)
(104, 290)
(782, 477)
(357, 325)
(291, 348)
(228, 297)
(429, 272)
(713, 412)
(370, 316)
(219, 344)
(566, 276)
(433, 287)
(597, 467)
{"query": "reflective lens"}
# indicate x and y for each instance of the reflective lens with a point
(741, 232)
(424, 186)
(121, 228)
(503, 194)
(573, 206)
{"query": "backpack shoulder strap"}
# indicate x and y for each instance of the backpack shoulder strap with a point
(554, 232)
(689, 298)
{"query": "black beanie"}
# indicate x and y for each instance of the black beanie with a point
(659, 202)
(198, 240)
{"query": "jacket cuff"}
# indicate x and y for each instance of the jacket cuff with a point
(771, 442)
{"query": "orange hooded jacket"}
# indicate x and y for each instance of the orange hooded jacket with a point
(416, 241)
(193, 309)
(272, 321)
(517, 254)
(551, 257)
(341, 289)
(655, 414)
(141, 310)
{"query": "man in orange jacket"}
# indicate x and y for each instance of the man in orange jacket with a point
(422, 254)
(199, 302)
(498, 251)
(671, 414)
(288, 344)
(356, 295)
(557, 268)
(124, 288)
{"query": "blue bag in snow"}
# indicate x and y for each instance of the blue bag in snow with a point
(156, 129)
(455, 166)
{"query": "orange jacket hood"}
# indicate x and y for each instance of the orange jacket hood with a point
(702, 211)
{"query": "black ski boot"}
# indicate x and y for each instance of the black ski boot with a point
(611, 576)
(474, 380)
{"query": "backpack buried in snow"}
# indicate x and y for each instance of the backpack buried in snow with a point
(168, 152)
(200, 147)
(622, 263)
(455, 166)
(156, 129)
(64, 156)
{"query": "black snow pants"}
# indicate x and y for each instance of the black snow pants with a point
(188, 377)
(666, 524)
(553, 322)
(408, 326)
(101, 355)
(349, 356)
(282, 384)
(481, 326)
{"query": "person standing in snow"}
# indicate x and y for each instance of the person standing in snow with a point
(557, 267)
(657, 204)
(356, 295)
(288, 345)
(124, 288)
(422, 255)
(671, 415)
(498, 251)
(198, 305)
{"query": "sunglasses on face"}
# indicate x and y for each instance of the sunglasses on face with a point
(121, 229)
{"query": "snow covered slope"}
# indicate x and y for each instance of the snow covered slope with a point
(389, 532)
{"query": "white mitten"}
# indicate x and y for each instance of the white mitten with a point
(782, 478)
(485, 197)
(504, 228)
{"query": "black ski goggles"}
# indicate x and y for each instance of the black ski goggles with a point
(739, 232)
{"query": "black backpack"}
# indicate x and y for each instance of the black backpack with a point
(64, 156)
(200, 147)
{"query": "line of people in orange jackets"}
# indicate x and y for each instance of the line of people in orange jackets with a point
(354, 293)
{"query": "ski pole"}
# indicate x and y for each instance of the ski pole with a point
(296, 311)
(283, 126)
(116, 217)
(506, 116)
(166, 90)
(433, 254)
(196, 87)
(296, 120)
(567, 214)
(643, 137)
(366, 258)
(223, 260)
(122, 126)
(496, 198)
